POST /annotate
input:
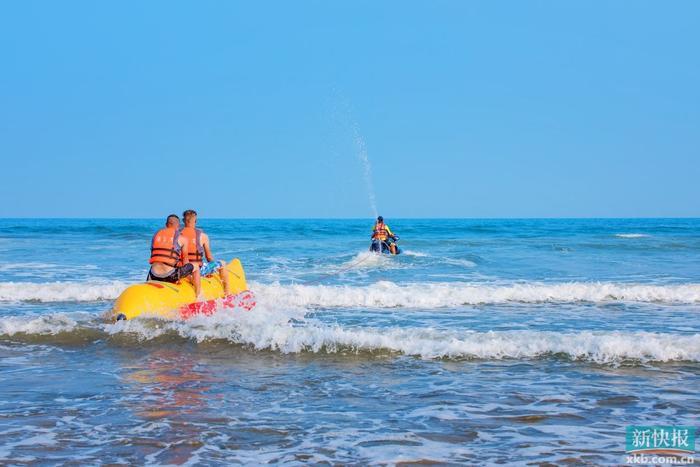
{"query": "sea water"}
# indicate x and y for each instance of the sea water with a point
(487, 341)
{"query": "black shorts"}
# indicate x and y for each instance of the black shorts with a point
(176, 275)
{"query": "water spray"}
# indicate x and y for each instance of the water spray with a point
(347, 120)
(367, 169)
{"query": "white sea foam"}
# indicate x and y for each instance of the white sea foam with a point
(274, 331)
(631, 235)
(386, 294)
(60, 291)
(43, 324)
(368, 259)
(436, 295)
(417, 254)
(290, 332)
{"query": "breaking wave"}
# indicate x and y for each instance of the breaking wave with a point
(60, 291)
(388, 294)
(290, 333)
(438, 295)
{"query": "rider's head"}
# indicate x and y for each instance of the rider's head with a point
(172, 221)
(190, 217)
(380, 219)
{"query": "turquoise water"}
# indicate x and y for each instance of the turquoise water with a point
(487, 341)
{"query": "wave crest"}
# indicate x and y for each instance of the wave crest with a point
(439, 295)
(385, 294)
(60, 291)
(291, 333)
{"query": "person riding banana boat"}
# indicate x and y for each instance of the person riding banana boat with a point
(383, 239)
(178, 253)
(184, 279)
(170, 256)
(199, 249)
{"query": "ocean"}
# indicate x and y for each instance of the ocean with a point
(486, 341)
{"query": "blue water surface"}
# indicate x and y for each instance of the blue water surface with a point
(487, 340)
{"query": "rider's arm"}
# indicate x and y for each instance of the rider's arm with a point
(183, 251)
(388, 231)
(207, 249)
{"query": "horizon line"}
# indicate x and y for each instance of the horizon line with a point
(363, 218)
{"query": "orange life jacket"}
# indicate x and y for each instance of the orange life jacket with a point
(193, 237)
(380, 232)
(165, 247)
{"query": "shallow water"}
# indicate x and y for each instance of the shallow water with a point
(486, 341)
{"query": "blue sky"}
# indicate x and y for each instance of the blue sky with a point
(259, 109)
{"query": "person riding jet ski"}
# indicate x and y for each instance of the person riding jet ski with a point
(383, 239)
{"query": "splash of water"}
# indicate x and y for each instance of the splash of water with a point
(343, 113)
(367, 169)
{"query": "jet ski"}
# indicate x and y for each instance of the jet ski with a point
(379, 246)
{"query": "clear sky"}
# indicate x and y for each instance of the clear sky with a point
(261, 109)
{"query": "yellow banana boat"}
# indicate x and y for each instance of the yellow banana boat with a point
(178, 301)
